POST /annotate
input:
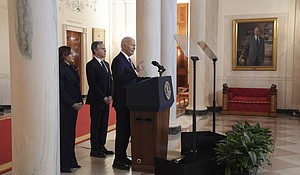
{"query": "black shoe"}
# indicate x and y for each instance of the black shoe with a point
(97, 154)
(106, 151)
(127, 161)
(76, 166)
(120, 165)
(66, 171)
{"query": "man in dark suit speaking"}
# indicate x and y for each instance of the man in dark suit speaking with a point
(99, 97)
(254, 51)
(124, 74)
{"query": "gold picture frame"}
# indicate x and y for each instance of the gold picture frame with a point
(262, 57)
(98, 34)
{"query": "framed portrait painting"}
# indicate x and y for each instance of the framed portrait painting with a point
(254, 44)
(98, 34)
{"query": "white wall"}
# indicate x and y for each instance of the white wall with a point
(5, 97)
(183, 1)
(283, 76)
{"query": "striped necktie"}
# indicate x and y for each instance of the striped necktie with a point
(131, 63)
(104, 67)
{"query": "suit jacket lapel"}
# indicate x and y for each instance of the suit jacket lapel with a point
(96, 62)
(127, 63)
(100, 66)
(107, 66)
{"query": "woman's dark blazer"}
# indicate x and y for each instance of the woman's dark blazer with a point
(69, 88)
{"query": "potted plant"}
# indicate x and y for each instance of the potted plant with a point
(245, 149)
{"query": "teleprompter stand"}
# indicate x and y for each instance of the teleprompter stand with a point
(196, 147)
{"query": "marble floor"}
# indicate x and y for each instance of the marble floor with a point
(285, 159)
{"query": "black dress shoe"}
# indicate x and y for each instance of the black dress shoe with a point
(97, 154)
(66, 171)
(127, 161)
(76, 166)
(106, 151)
(120, 165)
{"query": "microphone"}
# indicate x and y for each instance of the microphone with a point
(155, 63)
(161, 68)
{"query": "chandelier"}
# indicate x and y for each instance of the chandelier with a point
(78, 5)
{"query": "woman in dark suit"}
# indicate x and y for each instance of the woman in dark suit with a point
(70, 103)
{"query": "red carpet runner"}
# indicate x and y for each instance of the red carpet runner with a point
(83, 123)
(82, 134)
(5, 145)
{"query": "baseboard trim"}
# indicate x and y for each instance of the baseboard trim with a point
(292, 112)
(198, 112)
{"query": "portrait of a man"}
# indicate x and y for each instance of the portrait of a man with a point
(253, 52)
(255, 44)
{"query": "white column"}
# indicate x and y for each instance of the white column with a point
(130, 18)
(148, 36)
(197, 33)
(296, 67)
(168, 48)
(5, 94)
(114, 40)
(34, 80)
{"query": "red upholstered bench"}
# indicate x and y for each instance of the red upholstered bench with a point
(250, 101)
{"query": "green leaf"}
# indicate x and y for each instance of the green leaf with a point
(227, 171)
(252, 156)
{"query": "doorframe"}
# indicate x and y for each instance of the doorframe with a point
(83, 31)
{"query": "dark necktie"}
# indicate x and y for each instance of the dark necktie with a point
(131, 63)
(103, 66)
(257, 41)
(107, 74)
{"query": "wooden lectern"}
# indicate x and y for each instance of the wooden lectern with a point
(149, 102)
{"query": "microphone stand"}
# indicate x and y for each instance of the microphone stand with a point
(160, 72)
